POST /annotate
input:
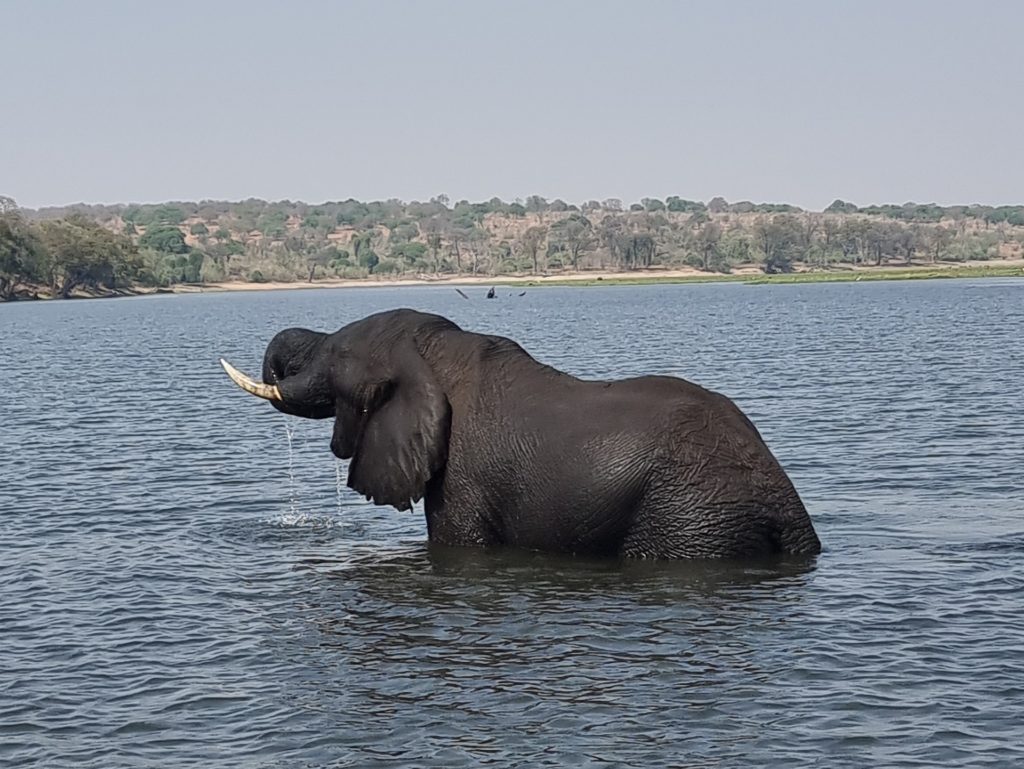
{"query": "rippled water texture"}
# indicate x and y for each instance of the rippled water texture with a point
(177, 589)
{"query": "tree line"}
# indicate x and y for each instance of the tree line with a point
(62, 254)
(79, 246)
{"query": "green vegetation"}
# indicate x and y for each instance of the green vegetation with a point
(848, 276)
(165, 238)
(60, 250)
(978, 271)
(63, 254)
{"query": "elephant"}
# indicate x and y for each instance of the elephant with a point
(506, 451)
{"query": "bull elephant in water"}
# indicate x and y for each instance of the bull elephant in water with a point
(507, 451)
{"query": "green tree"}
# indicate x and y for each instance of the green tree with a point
(532, 241)
(341, 261)
(170, 214)
(166, 239)
(80, 252)
(321, 258)
(611, 234)
(841, 207)
(20, 255)
(535, 204)
(433, 229)
(679, 205)
(938, 242)
(369, 259)
(404, 232)
(273, 223)
(387, 266)
(734, 248)
(852, 236)
(778, 238)
(478, 243)
(576, 234)
(708, 238)
(408, 253)
(636, 249)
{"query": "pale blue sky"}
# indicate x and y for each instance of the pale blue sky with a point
(795, 102)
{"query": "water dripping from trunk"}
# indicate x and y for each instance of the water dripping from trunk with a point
(338, 486)
(293, 503)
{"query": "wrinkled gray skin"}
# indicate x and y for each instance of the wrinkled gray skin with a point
(508, 451)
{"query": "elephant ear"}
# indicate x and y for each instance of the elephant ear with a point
(404, 440)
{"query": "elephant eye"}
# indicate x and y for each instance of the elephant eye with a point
(279, 375)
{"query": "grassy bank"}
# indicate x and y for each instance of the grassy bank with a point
(910, 273)
(832, 276)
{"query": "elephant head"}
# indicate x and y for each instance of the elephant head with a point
(391, 416)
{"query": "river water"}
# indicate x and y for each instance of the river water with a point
(183, 583)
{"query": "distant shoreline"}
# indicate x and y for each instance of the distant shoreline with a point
(751, 276)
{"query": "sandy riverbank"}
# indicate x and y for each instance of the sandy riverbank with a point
(994, 268)
(468, 280)
(746, 274)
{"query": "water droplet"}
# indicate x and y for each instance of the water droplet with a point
(338, 485)
(293, 506)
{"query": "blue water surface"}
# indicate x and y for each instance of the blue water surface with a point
(185, 582)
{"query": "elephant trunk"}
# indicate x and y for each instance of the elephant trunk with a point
(295, 375)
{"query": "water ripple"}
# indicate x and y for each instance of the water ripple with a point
(184, 582)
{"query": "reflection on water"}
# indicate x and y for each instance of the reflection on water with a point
(426, 577)
(183, 585)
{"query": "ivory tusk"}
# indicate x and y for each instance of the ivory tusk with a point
(260, 390)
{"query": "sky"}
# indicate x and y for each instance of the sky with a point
(795, 102)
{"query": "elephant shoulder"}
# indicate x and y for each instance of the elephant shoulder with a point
(689, 404)
(664, 389)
